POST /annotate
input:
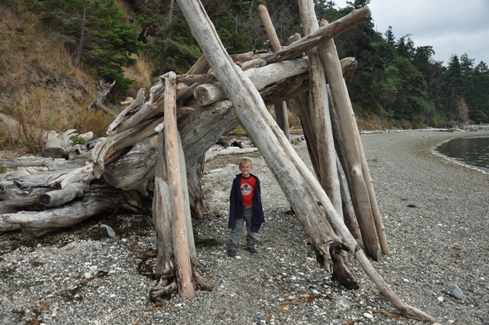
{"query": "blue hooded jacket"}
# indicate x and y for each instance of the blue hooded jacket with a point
(236, 208)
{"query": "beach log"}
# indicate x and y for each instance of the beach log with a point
(183, 268)
(280, 108)
(209, 93)
(96, 199)
(103, 89)
(264, 132)
(379, 225)
(358, 188)
(324, 33)
(62, 196)
(328, 173)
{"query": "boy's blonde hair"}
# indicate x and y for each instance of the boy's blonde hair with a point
(244, 160)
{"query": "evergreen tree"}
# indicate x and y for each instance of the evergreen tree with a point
(454, 87)
(96, 33)
(479, 112)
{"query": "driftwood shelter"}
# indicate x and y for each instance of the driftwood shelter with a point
(153, 156)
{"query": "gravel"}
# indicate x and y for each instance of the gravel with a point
(435, 214)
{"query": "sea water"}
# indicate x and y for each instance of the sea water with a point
(471, 151)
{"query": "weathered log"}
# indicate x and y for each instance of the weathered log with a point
(243, 94)
(328, 174)
(139, 111)
(348, 210)
(50, 164)
(62, 196)
(206, 94)
(5, 208)
(379, 225)
(134, 170)
(339, 26)
(97, 199)
(177, 202)
(253, 64)
(358, 189)
(120, 141)
(282, 117)
(280, 108)
(103, 89)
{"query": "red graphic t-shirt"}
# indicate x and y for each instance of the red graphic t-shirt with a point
(247, 186)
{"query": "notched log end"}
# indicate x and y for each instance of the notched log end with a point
(168, 285)
(202, 283)
(163, 290)
(342, 272)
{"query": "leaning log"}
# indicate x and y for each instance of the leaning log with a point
(280, 108)
(328, 173)
(206, 94)
(252, 113)
(177, 202)
(358, 188)
(339, 26)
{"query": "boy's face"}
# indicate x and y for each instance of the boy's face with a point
(245, 169)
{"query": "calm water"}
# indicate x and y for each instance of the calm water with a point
(471, 151)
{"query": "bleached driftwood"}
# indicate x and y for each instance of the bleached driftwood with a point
(206, 94)
(327, 171)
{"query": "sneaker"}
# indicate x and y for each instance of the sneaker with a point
(231, 253)
(252, 250)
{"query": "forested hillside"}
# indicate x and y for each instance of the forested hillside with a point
(53, 52)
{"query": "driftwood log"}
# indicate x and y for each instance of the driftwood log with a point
(153, 156)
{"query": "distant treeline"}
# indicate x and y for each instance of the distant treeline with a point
(395, 80)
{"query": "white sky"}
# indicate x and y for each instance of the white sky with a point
(449, 26)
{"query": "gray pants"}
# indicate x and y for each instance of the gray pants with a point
(236, 232)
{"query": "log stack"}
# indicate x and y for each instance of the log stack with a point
(155, 152)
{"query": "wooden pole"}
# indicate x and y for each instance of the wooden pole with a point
(358, 189)
(183, 268)
(379, 225)
(319, 94)
(296, 49)
(281, 114)
(266, 134)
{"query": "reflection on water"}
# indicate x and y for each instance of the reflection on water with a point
(472, 151)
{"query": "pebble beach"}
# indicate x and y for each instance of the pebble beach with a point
(436, 218)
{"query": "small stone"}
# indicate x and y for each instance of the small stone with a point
(340, 303)
(440, 299)
(454, 291)
(368, 315)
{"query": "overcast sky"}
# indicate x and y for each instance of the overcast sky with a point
(449, 26)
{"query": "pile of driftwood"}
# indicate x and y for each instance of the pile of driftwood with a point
(153, 156)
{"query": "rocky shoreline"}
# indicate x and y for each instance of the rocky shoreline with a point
(435, 213)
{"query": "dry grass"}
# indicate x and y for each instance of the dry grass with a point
(40, 86)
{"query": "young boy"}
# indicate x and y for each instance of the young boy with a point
(245, 207)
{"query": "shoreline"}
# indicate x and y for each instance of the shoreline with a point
(435, 214)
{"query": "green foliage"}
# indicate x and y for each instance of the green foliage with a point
(96, 33)
(77, 140)
(3, 169)
(395, 79)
